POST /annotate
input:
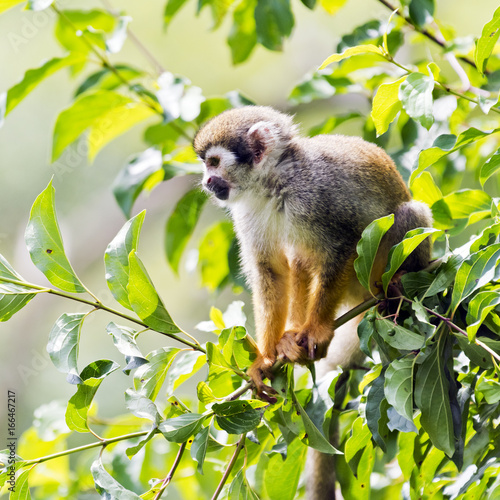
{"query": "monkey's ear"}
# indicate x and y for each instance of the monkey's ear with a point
(263, 137)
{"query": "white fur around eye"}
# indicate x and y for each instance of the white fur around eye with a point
(226, 157)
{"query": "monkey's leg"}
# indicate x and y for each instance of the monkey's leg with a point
(300, 285)
(270, 284)
(311, 340)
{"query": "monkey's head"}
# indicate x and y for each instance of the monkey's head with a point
(239, 147)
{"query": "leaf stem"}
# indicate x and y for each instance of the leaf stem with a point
(230, 466)
(96, 444)
(99, 305)
(170, 475)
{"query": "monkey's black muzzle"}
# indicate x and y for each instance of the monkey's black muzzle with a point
(218, 186)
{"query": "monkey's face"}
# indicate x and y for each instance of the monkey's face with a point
(239, 148)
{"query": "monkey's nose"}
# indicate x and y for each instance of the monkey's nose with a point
(218, 186)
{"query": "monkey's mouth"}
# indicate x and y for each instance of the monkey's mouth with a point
(218, 186)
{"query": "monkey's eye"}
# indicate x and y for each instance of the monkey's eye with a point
(213, 161)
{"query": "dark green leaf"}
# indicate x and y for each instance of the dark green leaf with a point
(144, 299)
(91, 378)
(180, 429)
(199, 447)
(45, 245)
(274, 22)
(488, 39)
(171, 9)
(417, 284)
(181, 224)
(479, 308)
(239, 418)
(116, 258)
(374, 400)
(415, 94)
(107, 486)
(432, 398)
(63, 345)
(367, 248)
(421, 12)
(366, 328)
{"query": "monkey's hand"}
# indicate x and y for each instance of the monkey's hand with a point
(304, 346)
(260, 369)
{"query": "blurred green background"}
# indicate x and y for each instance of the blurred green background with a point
(88, 214)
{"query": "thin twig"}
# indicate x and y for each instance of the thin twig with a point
(230, 466)
(426, 33)
(170, 475)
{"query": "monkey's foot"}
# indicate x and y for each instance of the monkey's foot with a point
(302, 346)
(261, 369)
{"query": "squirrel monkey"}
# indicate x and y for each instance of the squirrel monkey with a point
(299, 206)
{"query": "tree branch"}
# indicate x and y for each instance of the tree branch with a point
(170, 475)
(240, 445)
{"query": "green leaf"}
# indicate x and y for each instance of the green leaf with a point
(116, 258)
(124, 340)
(149, 378)
(474, 272)
(415, 94)
(180, 429)
(113, 123)
(421, 12)
(489, 168)
(171, 9)
(186, 365)
(35, 76)
(374, 400)
(402, 250)
(199, 447)
(213, 251)
(332, 6)
(91, 378)
(21, 491)
(12, 297)
(242, 38)
(367, 248)
(432, 398)
(397, 336)
(425, 189)
(446, 144)
(282, 476)
(181, 224)
(8, 4)
(479, 308)
(360, 437)
(107, 486)
(488, 39)
(313, 436)
(239, 489)
(83, 113)
(237, 417)
(352, 51)
(470, 204)
(45, 245)
(274, 21)
(141, 406)
(386, 105)
(131, 180)
(144, 299)
(398, 386)
(63, 345)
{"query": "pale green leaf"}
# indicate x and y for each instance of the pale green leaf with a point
(360, 436)
(398, 336)
(350, 52)
(8, 4)
(45, 245)
(489, 168)
(107, 486)
(332, 6)
(199, 447)
(21, 491)
(117, 255)
(415, 94)
(144, 299)
(124, 340)
(180, 429)
(425, 189)
(386, 105)
(398, 386)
